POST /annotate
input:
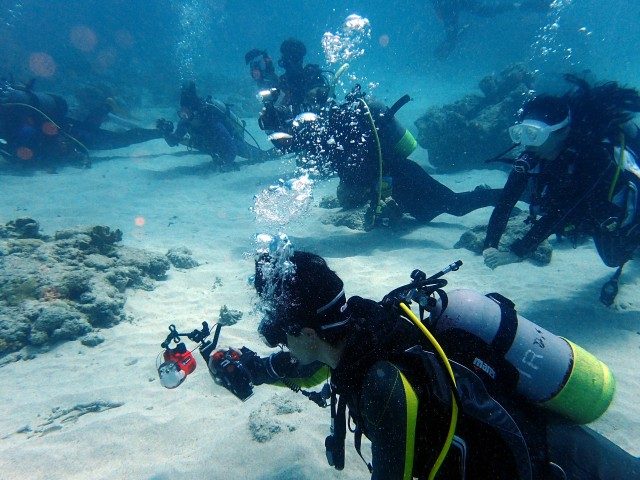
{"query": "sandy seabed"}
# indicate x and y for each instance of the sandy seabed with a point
(100, 413)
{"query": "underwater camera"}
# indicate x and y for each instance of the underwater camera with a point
(225, 366)
(178, 361)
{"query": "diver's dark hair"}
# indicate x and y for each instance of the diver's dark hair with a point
(188, 95)
(253, 53)
(600, 111)
(310, 296)
(546, 108)
(293, 49)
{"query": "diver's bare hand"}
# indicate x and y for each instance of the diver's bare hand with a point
(494, 258)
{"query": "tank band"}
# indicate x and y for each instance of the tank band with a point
(406, 145)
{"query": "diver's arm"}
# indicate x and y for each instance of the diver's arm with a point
(176, 137)
(537, 234)
(281, 366)
(389, 411)
(513, 189)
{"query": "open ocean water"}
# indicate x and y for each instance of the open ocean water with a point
(81, 397)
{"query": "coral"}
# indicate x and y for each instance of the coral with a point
(181, 257)
(353, 219)
(149, 264)
(228, 316)
(23, 228)
(473, 239)
(463, 135)
(58, 321)
(61, 288)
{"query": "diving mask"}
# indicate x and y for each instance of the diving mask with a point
(533, 133)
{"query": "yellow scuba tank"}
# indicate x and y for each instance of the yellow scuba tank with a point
(514, 355)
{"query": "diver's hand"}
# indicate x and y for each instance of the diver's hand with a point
(494, 258)
(165, 126)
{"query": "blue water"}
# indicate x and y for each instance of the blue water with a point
(145, 49)
(139, 42)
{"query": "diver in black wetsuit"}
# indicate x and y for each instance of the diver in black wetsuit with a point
(37, 127)
(368, 148)
(398, 398)
(449, 11)
(300, 88)
(583, 170)
(212, 128)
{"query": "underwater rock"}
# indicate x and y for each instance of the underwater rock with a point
(150, 264)
(61, 288)
(353, 219)
(91, 340)
(462, 135)
(181, 257)
(264, 423)
(329, 202)
(21, 228)
(228, 316)
(473, 239)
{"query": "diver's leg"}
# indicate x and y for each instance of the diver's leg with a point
(421, 195)
(100, 139)
(615, 249)
(253, 152)
(223, 143)
(584, 454)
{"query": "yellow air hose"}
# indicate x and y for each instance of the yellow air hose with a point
(376, 208)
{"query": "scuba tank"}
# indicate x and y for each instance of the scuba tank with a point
(511, 354)
(395, 139)
(231, 120)
(53, 106)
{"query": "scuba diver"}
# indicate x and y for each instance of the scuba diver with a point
(300, 88)
(474, 390)
(37, 127)
(580, 161)
(261, 68)
(449, 11)
(211, 127)
(368, 148)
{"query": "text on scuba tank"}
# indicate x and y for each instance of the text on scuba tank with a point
(529, 358)
(539, 341)
(484, 367)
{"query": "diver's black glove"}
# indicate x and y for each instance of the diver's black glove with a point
(165, 126)
(268, 369)
(238, 370)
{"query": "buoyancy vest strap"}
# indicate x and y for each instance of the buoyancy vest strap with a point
(411, 400)
(334, 443)
(508, 325)
(619, 166)
(411, 403)
(357, 443)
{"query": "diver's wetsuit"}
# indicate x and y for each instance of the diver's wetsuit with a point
(570, 192)
(350, 148)
(391, 399)
(422, 196)
(210, 132)
(50, 134)
(101, 139)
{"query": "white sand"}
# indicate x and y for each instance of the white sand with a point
(200, 430)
